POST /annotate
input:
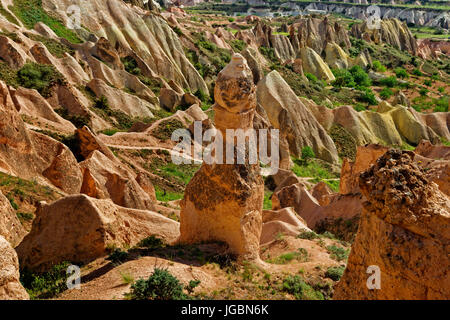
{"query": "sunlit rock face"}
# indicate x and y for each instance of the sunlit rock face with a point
(223, 202)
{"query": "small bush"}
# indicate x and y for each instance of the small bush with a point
(417, 72)
(101, 103)
(377, 66)
(152, 242)
(441, 89)
(307, 154)
(335, 273)
(41, 77)
(360, 76)
(296, 286)
(386, 93)
(442, 104)
(368, 96)
(423, 91)
(178, 31)
(130, 64)
(401, 73)
(308, 235)
(427, 82)
(389, 82)
(161, 285)
(338, 253)
(311, 77)
(231, 19)
(118, 256)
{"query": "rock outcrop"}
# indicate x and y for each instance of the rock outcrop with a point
(296, 124)
(224, 201)
(391, 31)
(10, 286)
(79, 229)
(10, 227)
(313, 63)
(404, 231)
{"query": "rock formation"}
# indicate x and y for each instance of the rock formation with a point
(313, 63)
(80, 229)
(404, 231)
(10, 227)
(296, 124)
(10, 286)
(224, 201)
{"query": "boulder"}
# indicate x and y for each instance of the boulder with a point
(10, 286)
(80, 229)
(313, 63)
(295, 122)
(335, 56)
(404, 231)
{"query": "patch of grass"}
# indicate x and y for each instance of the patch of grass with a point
(335, 273)
(315, 169)
(25, 216)
(238, 45)
(338, 253)
(56, 48)
(296, 286)
(127, 278)
(267, 204)
(166, 196)
(31, 12)
(386, 93)
(8, 15)
(41, 77)
(309, 235)
(300, 255)
(45, 285)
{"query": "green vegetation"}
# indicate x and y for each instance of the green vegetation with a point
(166, 196)
(389, 82)
(117, 256)
(386, 93)
(31, 12)
(238, 45)
(296, 286)
(377, 66)
(335, 273)
(338, 253)
(166, 128)
(401, 73)
(368, 96)
(56, 48)
(45, 285)
(300, 255)
(307, 154)
(344, 141)
(8, 15)
(40, 77)
(267, 204)
(161, 285)
(317, 170)
(152, 242)
(417, 72)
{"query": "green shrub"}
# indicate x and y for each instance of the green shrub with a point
(130, 64)
(118, 256)
(311, 77)
(178, 31)
(309, 235)
(389, 82)
(417, 72)
(101, 103)
(152, 242)
(377, 66)
(441, 89)
(423, 91)
(386, 93)
(41, 77)
(360, 76)
(338, 253)
(161, 285)
(368, 96)
(238, 45)
(442, 104)
(359, 107)
(231, 19)
(300, 255)
(296, 286)
(335, 273)
(307, 154)
(45, 285)
(401, 73)
(343, 78)
(427, 82)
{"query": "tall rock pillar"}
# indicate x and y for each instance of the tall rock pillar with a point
(223, 202)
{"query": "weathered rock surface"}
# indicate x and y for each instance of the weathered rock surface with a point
(404, 230)
(10, 227)
(224, 201)
(10, 286)
(313, 63)
(296, 124)
(79, 229)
